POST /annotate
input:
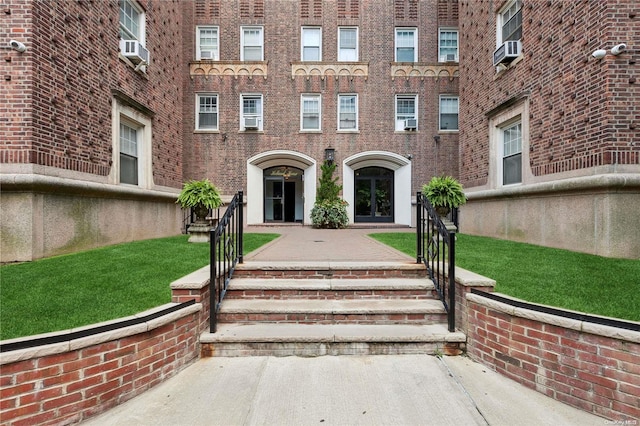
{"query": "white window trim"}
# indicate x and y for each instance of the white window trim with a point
(141, 25)
(242, 45)
(357, 125)
(442, 58)
(319, 98)
(501, 129)
(302, 45)
(399, 128)
(198, 49)
(142, 123)
(260, 116)
(519, 112)
(197, 108)
(440, 129)
(500, 21)
(415, 42)
(357, 43)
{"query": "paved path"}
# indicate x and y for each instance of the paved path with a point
(302, 243)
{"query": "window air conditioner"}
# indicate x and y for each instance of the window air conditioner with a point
(410, 124)
(450, 57)
(134, 51)
(507, 52)
(251, 123)
(206, 54)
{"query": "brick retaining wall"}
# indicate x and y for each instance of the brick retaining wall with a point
(593, 367)
(67, 382)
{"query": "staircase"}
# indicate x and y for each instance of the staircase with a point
(330, 308)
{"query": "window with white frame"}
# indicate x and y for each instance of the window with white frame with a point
(448, 45)
(406, 116)
(348, 112)
(511, 153)
(448, 112)
(311, 44)
(510, 22)
(348, 44)
(132, 21)
(131, 145)
(251, 112)
(251, 41)
(207, 43)
(206, 112)
(128, 153)
(310, 109)
(406, 45)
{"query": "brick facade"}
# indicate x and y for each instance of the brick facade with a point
(579, 115)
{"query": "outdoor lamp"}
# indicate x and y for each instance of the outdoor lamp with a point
(329, 154)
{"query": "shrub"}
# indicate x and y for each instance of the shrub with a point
(330, 214)
(444, 191)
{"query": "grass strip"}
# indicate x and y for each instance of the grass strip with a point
(555, 277)
(74, 290)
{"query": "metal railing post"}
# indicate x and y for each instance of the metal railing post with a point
(452, 282)
(240, 226)
(419, 230)
(213, 270)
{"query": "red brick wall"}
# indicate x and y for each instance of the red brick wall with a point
(224, 159)
(60, 89)
(594, 368)
(584, 113)
(72, 385)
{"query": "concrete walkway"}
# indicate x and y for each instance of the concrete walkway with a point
(339, 390)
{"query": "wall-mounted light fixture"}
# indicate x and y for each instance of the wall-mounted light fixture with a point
(437, 139)
(329, 155)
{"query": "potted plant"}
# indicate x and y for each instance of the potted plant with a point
(444, 193)
(201, 196)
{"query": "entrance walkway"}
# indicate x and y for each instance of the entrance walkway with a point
(339, 390)
(302, 243)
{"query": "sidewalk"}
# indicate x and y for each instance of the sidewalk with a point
(339, 390)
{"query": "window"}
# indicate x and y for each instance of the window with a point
(251, 44)
(206, 112)
(448, 46)
(311, 44)
(347, 112)
(347, 44)
(128, 154)
(406, 106)
(512, 154)
(510, 20)
(131, 21)
(310, 112)
(448, 113)
(207, 43)
(251, 117)
(406, 45)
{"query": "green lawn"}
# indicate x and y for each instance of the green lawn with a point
(98, 285)
(561, 278)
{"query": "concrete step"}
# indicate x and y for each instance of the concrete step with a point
(269, 339)
(375, 288)
(329, 270)
(369, 311)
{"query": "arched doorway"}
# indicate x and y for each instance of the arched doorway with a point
(283, 194)
(373, 194)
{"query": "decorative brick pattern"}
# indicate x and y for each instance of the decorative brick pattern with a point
(591, 367)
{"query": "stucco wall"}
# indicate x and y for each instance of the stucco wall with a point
(597, 215)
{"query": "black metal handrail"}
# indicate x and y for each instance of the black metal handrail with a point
(226, 253)
(436, 248)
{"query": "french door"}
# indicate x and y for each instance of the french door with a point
(374, 195)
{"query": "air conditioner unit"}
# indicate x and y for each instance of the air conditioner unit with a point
(134, 51)
(450, 57)
(206, 54)
(251, 123)
(410, 124)
(507, 52)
